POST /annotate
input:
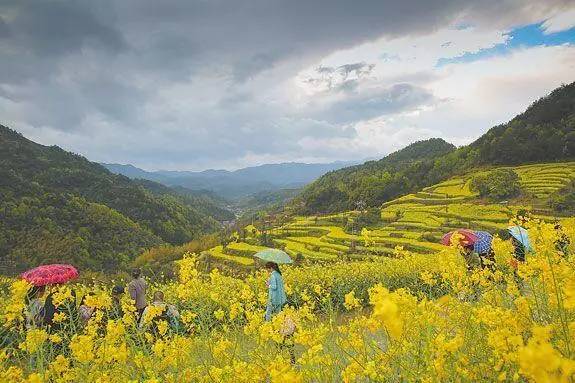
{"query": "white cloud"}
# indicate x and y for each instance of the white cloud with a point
(560, 22)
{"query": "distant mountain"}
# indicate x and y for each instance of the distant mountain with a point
(56, 206)
(265, 201)
(545, 132)
(237, 184)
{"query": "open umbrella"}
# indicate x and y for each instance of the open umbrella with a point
(273, 255)
(521, 235)
(50, 274)
(483, 243)
(466, 237)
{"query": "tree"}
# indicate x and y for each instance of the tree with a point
(498, 184)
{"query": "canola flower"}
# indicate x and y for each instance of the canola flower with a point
(411, 318)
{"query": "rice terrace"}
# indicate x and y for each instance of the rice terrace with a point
(287, 191)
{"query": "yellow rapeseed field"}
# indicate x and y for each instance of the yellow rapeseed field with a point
(413, 317)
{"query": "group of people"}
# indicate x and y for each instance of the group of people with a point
(480, 252)
(41, 313)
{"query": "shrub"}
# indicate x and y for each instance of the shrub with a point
(498, 184)
(563, 200)
(370, 217)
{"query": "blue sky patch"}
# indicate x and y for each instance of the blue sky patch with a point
(528, 36)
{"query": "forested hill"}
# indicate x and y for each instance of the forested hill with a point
(58, 206)
(545, 132)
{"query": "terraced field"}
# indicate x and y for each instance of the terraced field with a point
(414, 222)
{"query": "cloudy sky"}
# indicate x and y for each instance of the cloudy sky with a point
(196, 84)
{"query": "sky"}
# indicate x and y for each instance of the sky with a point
(198, 84)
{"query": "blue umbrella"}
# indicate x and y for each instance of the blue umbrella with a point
(521, 235)
(483, 243)
(273, 255)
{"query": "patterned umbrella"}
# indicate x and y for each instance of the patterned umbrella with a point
(466, 237)
(483, 243)
(50, 274)
(521, 235)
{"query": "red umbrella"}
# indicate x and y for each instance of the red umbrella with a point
(50, 274)
(466, 237)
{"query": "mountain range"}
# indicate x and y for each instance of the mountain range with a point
(56, 206)
(237, 184)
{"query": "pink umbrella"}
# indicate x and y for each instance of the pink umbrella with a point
(50, 274)
(466, 237)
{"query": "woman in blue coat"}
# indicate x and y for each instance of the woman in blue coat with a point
(276, 291)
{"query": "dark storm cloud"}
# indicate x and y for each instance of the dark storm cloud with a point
(4, 30)
(59, 27)
(174, 79)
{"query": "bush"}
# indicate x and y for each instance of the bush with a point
(428, 237)
(370, 217)
(498, 184)
(563, 200)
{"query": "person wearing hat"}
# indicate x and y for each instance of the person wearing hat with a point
(116, 311)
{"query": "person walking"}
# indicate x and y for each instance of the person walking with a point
(276, 291)
(521, 243)
(137, 290)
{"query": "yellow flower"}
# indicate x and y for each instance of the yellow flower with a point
(35, 338)
(13, 308)
(386, 310)
(59, 365)
(82, 347)
(59, 317)
(427, 278)
(35, 378)
(55, 338)
(219, 314)
(350, 301)
(12, 374)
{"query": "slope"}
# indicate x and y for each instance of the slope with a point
(544, 132)
(58, 206)
(375, 181)
(413, 222)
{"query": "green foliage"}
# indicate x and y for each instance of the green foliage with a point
(498, 184)
(375, 181)
(563, 200)
(56, 206)
(368, 218)
(158, 260)
(545, 132)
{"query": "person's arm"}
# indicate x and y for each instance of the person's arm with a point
(273, 282)
(132, 290)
